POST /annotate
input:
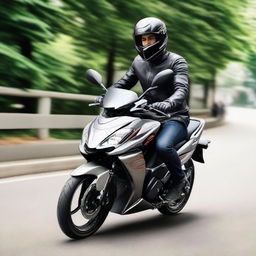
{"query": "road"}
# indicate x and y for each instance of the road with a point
(219, 219)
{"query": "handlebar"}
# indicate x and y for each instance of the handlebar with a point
(144, 106)
(158, 111)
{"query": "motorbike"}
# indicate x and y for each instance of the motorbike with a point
(122, 173)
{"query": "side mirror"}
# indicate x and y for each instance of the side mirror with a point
(148, 90)
(162, 78)
(159, 80)
(95, 77)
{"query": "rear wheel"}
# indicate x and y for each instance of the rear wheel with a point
(178, 205)
(81, 208)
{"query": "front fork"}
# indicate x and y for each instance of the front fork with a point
(103, 177)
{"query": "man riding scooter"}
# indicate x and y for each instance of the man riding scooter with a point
(150, 37)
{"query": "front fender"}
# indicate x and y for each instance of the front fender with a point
(101, 173)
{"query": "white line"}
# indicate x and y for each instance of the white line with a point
(34, 177)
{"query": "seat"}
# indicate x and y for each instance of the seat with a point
(192, 126)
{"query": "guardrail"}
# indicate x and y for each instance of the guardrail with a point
(44, 120)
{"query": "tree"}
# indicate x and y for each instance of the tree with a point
(27, 58)
(198, 31)
(251, 54)
(208, 34)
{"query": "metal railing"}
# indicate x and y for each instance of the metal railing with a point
(44, 120)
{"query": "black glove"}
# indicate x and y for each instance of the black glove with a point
(99, 99)
(162, 106)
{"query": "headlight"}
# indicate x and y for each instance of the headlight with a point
(116, 138)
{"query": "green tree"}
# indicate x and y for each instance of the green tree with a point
(251, 65)
(251, 56)
(207, 34)
(28, 60)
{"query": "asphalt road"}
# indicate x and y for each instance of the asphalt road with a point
(219, 219)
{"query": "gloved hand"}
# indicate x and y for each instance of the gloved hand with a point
(99, 99)
(162, 106)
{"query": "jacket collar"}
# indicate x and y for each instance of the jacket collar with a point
(159, 58)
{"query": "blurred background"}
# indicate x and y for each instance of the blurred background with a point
(48, 45)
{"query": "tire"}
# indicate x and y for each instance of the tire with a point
(179, 204)
(81, 185)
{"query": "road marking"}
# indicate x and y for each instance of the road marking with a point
(34, 177)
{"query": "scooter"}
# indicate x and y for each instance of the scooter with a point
(122, 173)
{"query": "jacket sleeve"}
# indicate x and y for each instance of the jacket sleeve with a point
(128, 80)
(180, 83)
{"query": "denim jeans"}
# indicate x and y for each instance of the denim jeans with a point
(171, 133)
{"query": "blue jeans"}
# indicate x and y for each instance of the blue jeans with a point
(171, 133)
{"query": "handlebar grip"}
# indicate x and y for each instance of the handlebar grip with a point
(158, 111)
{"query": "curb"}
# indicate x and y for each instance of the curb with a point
(68, 161)
(212, 122)
(24, 167)
(38, 150)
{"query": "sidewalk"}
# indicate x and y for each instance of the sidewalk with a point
(57, 155)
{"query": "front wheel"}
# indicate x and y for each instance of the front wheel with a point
(81, 208)
(178, 205)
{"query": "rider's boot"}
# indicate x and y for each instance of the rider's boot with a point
(176, 190)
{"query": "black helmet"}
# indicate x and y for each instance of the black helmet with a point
(154, 26)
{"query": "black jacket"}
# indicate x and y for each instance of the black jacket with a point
(175, 92)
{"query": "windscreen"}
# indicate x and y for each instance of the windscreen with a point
(116, 98)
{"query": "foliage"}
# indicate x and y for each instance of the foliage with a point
(251, 56)
(241, 99)
(251, 65)
(207, 33)
(48, 44)
(28, 30)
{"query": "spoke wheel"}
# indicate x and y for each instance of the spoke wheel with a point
(178, 205)
(81, 208)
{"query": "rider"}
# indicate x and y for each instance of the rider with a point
(150, 36)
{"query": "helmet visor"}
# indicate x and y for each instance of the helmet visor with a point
(138, 38)
(151, 50)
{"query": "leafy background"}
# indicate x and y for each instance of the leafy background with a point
(48, 44)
